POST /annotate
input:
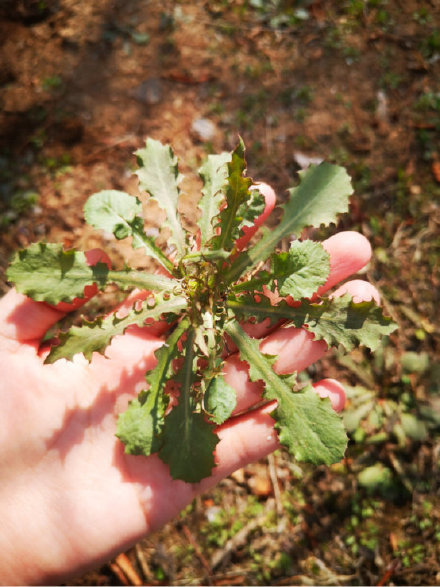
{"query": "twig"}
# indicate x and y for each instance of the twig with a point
(146, 571)
(124, 565)
(196, 547)
(275, 484)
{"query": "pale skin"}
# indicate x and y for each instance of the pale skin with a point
(70, 499)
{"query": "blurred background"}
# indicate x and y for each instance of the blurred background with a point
(354, 82)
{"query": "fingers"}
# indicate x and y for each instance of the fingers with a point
(249, 231)
(295, 347)
(349, 252)
(333, 390)
(23, 319)
(244, 440)
(360, 291)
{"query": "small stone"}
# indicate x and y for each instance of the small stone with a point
(204, 129)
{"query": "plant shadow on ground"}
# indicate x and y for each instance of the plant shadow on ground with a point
(81, 86)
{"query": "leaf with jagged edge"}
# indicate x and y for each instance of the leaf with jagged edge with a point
(301, 270)
(140, 426)
(236, 194)
(121, 214)
(188, 437)
(47, 273)
(338, 321)
(306, 424)
(159, 176)
(214, 173)
(321, 195)
(96, 336)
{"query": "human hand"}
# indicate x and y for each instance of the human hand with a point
(70, 497)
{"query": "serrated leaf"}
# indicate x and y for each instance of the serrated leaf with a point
(112, 211)
(321, 195)
(188, 438)
(300, 271)
(337, 321)
(237, 193)
(140, 426)
(220, 400)
(96, 336)
(46, 272)
(159, 176)
(214, 173)
(306, 424)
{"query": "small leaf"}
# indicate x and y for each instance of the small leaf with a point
(159, 176)
(214, 173)
(47, 273)
(300, 271)
(112, 211)
(139, 427)
(119, 213)
(220, 400)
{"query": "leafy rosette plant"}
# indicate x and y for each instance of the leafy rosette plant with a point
(209, 289)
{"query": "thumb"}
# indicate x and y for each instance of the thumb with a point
(23, 319)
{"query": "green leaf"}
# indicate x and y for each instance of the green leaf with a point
(129, 279)
(119, 213)
(159, 176)
(95, 336)
(337, 320)
(214, 173)
(220, 400)
(237, 193)
(140, 426)
(306, 424)
(112, 211)
(47, 273)
(189, 442)
(321, 195)
(188, 438)
(300, 271)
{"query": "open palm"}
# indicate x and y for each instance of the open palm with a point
(70, 497)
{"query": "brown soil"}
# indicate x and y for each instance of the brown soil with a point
(83, 83)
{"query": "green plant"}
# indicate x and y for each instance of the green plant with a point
(212, 285)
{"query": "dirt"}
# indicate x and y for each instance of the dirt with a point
(83, 83)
